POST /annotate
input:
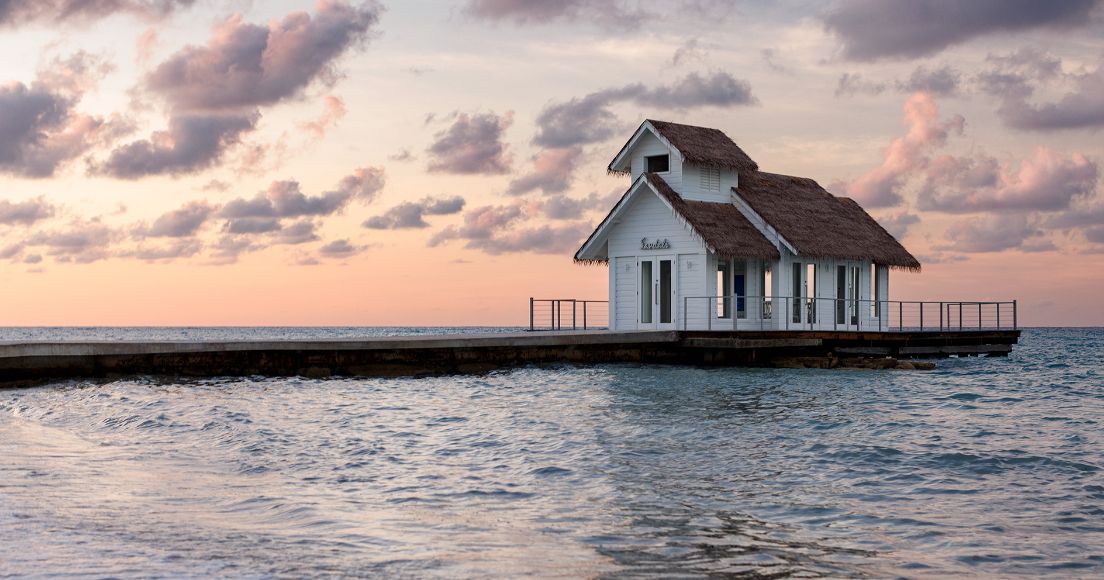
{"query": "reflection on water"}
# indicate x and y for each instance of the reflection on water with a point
(981, 467)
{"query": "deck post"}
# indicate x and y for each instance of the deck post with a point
(1015, 323)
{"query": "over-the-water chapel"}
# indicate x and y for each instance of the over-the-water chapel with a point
(703, 239)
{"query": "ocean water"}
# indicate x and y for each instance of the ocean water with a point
(988, 467)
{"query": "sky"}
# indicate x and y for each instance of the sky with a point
(236, 162)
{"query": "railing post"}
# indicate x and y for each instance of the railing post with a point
(709, 308)
(979, 315)
(960, 316)
(574, 306)
(584, 315)
(1015, 322)
(531, 314)
(685, 312)
(998, 315)
(901, 315)
(921, 317)
(940, 317)
(554, 316)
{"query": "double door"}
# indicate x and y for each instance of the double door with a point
(656, 293)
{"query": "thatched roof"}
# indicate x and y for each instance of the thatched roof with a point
(818, 224)
(699, 146)
(705, 146)
(720, 225)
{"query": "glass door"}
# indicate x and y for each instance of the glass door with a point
(847, 296)
(656, 291)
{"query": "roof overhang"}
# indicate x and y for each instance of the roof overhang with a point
(759, 222)
(592, 248)
(622, 163)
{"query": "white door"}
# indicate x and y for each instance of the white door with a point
(656, 293)
(847, 296)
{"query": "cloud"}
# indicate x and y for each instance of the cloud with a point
(495, 230)
(175, 250)
(539, 240)
(881, 186)
(472, 145)
(215, 90)
(411, 214)
(16, 12)
(991, 233)
(246, 65)
(182, 222)
(875, 29)
(1045, 181)
(552, 172)
(192, 143)
(230, 247)
(562, 207)
(479, 223)
(771, 59)
(851, 84)
(943, 81)
(898, 224)
(690, 50)
(339, 249)
(579, 121)
(284, 199)
(615, 14)
(252, 225)
(40, 128)
(299, 232)
(81, 242)
(333, 111)
(402, 156)
(586, 120)
(1015, 77)
(26, 212)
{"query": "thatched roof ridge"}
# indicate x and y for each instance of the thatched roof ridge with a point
(720, 225)
(819, 224)
(705, 146)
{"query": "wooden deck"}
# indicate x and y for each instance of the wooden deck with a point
(30, 363)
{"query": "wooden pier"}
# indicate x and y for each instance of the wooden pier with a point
(36, 362)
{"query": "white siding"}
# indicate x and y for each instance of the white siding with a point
(649, 145)
(692, 278)
(691, 184)
(648, 216)
(625, 301)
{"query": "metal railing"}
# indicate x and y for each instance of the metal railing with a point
(568, 314)
(737, 312)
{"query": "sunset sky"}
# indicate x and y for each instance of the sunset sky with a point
(236, 162)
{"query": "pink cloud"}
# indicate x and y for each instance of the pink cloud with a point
(881, 186)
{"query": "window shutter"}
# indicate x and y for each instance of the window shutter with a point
(710, 178)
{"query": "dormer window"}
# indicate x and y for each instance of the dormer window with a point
(710, 178)
(658, 163)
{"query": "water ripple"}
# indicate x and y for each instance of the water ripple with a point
(982, 467)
